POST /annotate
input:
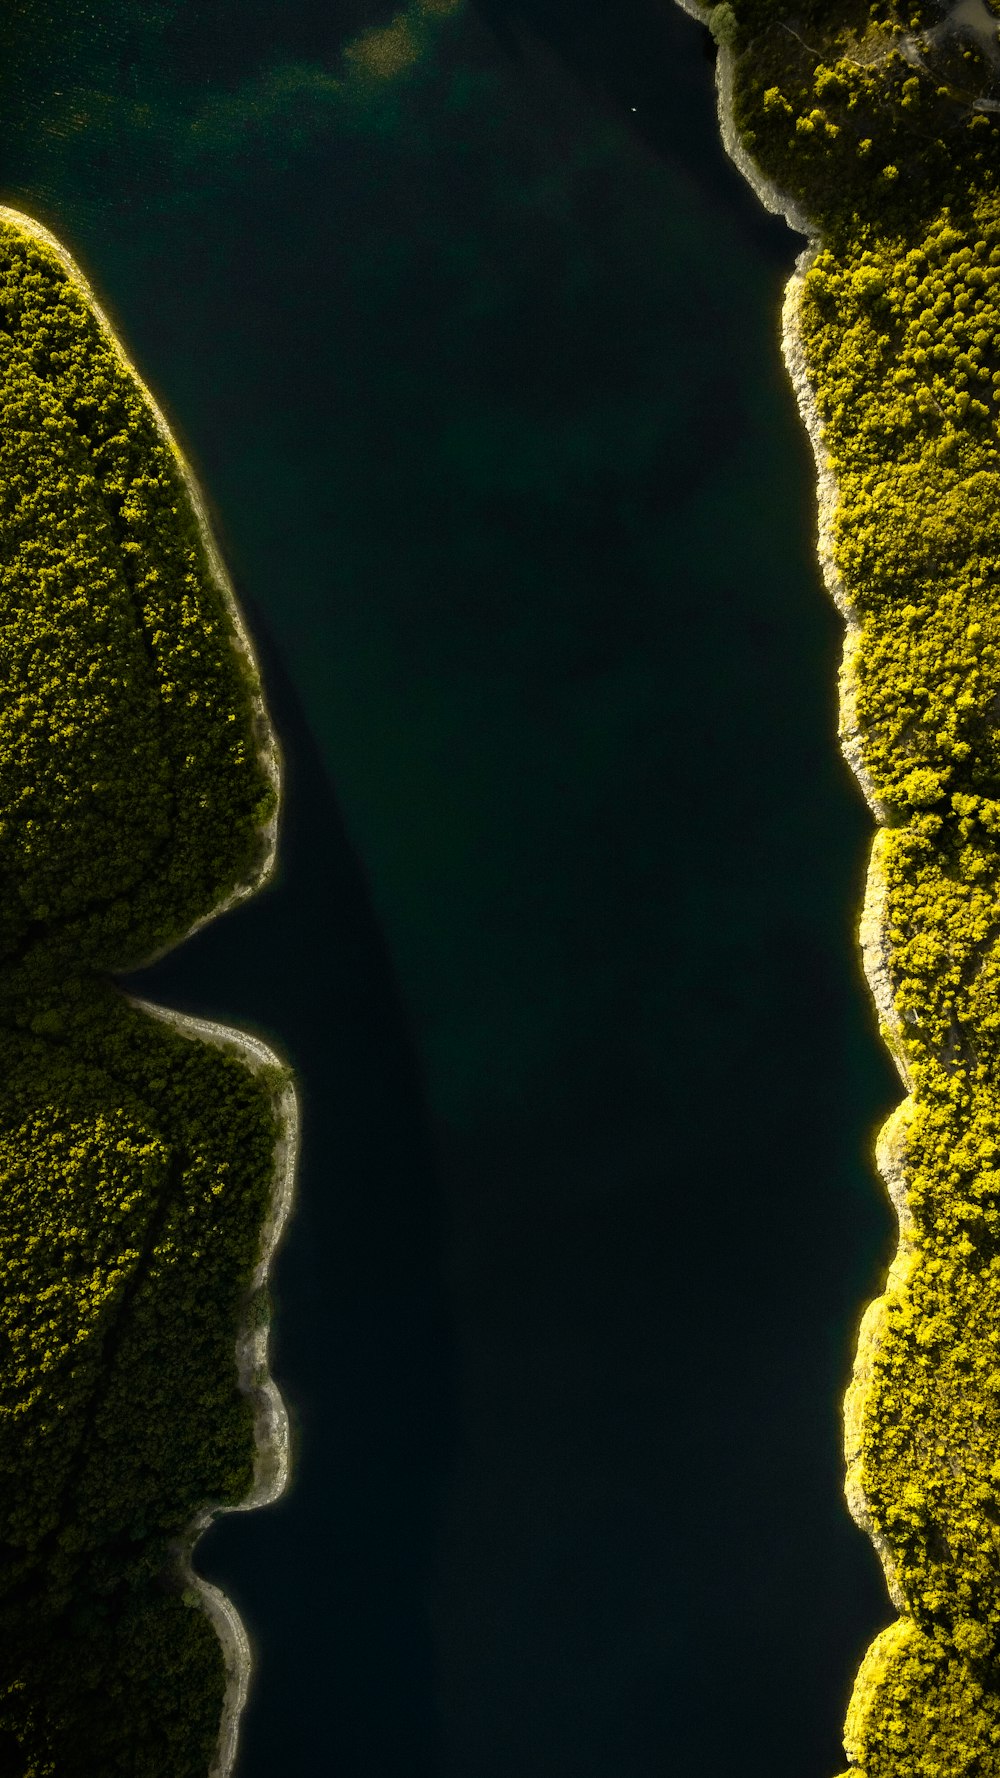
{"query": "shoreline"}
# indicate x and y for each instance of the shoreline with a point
(268, 749)
(890, 1146)
(272, 1441)
(271, 1426)
(872, 933)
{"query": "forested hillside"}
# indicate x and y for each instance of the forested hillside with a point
(880, 126)
(136, 1163)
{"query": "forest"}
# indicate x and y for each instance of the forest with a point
(880, 125)
(134, 797)
(137, 1163)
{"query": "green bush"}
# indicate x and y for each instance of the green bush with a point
(723, 25)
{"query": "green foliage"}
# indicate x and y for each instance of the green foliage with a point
(864, 113)
(135, 1163)
(920, 1712)
(877, 121)
(130, 789)
(901, 335)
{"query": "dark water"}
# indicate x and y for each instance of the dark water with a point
(480, 369)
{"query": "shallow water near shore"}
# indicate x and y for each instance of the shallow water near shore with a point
(480, 370)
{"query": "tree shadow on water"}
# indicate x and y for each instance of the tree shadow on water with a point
(332, 1581)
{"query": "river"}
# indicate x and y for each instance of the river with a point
(478, 362)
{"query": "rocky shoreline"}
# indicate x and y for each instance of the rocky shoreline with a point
(272, 1445)
(890, 1151)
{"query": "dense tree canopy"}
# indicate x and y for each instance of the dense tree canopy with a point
(136, 1164)
(130, 788)
(880, 123)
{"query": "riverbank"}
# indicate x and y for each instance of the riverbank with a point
(271, 1429)
(271, 1434)
(268, 749)
(873, 933)
(873, 930)
(883, 326)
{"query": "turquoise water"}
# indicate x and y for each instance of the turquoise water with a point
(480, 371)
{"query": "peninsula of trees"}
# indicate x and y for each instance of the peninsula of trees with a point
(138, 788)
(877, 129)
